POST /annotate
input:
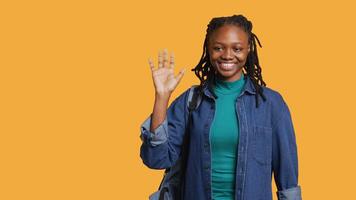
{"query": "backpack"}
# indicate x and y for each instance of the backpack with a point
(172, 184)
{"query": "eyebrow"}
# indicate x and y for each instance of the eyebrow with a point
(232, 43)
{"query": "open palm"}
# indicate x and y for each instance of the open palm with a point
(163, 77)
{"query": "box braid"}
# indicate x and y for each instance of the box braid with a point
(204, 70)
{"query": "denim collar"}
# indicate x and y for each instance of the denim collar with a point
(248, 87)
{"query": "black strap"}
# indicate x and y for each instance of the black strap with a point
(185, 147)
(162, 193)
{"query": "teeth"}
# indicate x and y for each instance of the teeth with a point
(226, 66)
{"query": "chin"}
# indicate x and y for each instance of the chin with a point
(227, 74)
(230, 75)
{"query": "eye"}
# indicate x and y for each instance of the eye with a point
(238, 49)
(217, 48)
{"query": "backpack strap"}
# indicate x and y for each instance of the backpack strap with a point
(193, 101)
(194, 98)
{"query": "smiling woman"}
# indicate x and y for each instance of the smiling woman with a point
(228, 47)
(234, 141)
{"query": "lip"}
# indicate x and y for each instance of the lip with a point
(226, 62)
(226, 66)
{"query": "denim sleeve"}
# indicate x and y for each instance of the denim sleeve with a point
(158, 136)
(284, 156)
(161, 148)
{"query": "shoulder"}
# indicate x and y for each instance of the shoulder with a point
(182, 98)
(274, 96)
(178, 109)
(277, 102)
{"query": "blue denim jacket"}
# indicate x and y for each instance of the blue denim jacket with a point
(267, 144)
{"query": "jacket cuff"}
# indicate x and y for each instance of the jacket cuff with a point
(293, 193)
(157, 137)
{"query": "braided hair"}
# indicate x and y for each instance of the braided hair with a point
(204, 70)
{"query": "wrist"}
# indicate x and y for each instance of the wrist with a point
(162, 95)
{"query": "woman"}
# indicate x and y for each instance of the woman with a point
(242, 130)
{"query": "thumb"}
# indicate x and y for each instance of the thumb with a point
(180, 75)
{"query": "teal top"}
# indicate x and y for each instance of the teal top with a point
(224, 136)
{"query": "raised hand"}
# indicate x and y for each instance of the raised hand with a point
(163, 77)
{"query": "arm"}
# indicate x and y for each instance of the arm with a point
(161, 147)
(284, 156)
(156, 152)
(159, 110)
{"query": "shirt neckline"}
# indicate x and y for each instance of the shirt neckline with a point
(227, 88)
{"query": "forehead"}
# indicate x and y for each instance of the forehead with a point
(228, 34)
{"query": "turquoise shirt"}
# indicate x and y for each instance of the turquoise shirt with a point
(224, 136)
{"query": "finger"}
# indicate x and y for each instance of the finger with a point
(160, 64)
(150, 62)
(171, 62)
(180, 75)
(165, 58)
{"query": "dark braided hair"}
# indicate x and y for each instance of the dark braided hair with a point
(205, 71)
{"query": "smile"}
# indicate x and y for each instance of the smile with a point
(226, 66)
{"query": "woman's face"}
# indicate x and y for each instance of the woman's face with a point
(228, 48)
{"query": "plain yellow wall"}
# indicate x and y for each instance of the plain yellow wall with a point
(75, 85)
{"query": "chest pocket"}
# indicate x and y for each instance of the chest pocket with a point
(262, 144)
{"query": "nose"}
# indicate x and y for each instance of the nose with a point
(227, 54)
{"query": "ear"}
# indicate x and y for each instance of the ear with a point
(248, 50)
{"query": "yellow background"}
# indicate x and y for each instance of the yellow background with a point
(75, 85)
